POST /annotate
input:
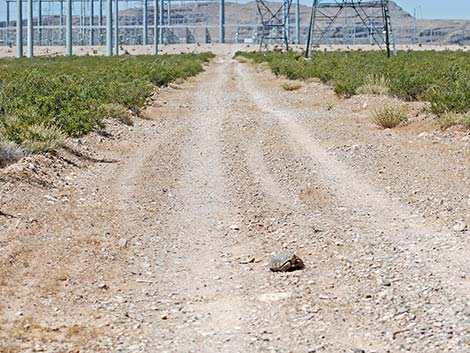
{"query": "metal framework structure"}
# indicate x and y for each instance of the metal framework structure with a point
(275, 22)
(368, 18)
(71, 23)
(106, 22)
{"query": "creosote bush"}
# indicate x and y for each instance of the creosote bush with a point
(117, 111)
(43, 100)
(442, 78)
(389, 116)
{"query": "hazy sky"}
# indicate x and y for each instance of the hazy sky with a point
(455, 9)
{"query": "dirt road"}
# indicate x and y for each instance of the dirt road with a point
(166, 250)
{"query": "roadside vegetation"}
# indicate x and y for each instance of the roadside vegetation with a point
(389, 116)
(291, 85)
(442, 78)
(45, 100)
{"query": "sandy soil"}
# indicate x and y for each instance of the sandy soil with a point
(158, 240)
(218, 49)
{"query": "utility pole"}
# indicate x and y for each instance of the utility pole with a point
(116, 27)
(222, 21)
(100, 21)
(145, 22)
(68, 30)
(30, 33)
(92, 22)
(161, 19)
(155, 30)
(311, 29)
(39, 22)
(8, 23)
(297, 22)
(109, 27)
(19, 28)
(168, 22)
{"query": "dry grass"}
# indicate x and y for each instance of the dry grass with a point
(118, 112)
(291, 85)
(389, 116)
(42, 138)
(452, 119)
(179, 81)
(243, 60)
(262, 67)
(375, 85)
(313, 80)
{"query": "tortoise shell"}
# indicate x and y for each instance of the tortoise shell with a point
(285, 261)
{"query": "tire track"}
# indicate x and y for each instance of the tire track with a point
(391, 226)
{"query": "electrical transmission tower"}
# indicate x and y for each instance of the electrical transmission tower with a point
(274, 17)
(369, 20)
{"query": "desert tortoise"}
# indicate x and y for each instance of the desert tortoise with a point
(286, 261)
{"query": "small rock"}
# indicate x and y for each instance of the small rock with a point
(32, 167)
(103, 286)
(123, 242)
(234, 227)
(164, 317)
(386, 282)
(460, 226)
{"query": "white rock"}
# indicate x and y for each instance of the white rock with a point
(460, 226)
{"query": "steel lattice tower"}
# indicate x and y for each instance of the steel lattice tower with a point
(373, 15)
(274, 18)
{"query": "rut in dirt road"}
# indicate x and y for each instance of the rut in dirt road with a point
(254, 181)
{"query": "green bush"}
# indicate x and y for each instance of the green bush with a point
(442, 78)
(43, 97)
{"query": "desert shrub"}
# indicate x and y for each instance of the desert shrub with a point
(291, 85)
(42, 99)
(466, 121)
(375, 85)
(389, 116)
(442, 78)
(242, 59)
(40, 138)
(345, 88)
(118, 112)
(11, 152)
(448, 120)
